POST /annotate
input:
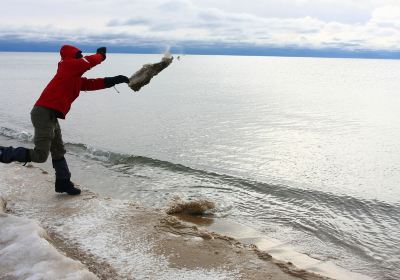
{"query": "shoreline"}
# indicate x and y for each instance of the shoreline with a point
(281, 253)
(112, 238)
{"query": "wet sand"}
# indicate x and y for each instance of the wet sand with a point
(118, 239)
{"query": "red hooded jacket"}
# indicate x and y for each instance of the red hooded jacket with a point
(66, 85)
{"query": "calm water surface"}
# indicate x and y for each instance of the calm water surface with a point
(306, 150)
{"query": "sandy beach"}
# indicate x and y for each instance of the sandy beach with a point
(92, 237)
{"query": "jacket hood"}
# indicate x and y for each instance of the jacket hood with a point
(68, 51)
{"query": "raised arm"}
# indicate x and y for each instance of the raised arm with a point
(85, 63)
(81, 64)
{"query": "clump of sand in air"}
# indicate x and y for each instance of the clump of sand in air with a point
(143, 76)
(191, 207)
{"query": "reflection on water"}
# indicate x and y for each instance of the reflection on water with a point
(195, 219)
(302, 149)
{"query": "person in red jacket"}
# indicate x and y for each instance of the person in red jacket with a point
(54, 103)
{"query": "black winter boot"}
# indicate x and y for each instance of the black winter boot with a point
(61, 168)
(63, 176)
(65, 185)
(10, 154)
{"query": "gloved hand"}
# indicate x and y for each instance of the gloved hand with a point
(78, 54)
(102, 51)
(112, 81)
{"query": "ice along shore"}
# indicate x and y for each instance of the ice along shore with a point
(50, 236)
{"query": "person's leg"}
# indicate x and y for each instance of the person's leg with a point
(10, 154)
(44, 124)
(58, 151)
(47, 131)
(63, 175)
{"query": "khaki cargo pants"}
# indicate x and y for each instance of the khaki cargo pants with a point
(48, 138)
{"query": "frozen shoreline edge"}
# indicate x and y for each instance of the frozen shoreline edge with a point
(177, 227)
(89, 267)
(19, 238)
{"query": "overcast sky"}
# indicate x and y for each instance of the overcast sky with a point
(345, 24)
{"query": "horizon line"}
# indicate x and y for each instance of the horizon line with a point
(216, 49)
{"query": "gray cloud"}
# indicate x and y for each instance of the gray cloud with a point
(129, 22)
(374, 25)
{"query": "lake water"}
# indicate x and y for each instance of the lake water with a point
(306, 150)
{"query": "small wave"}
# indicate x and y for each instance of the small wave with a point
(114, 158)
(18, 135)
(285, 193)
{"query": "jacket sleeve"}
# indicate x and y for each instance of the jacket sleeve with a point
(92, 84)
(87, 62)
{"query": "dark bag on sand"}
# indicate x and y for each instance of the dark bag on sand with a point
(147, 72)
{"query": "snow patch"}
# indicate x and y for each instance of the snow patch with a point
(26, 254)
